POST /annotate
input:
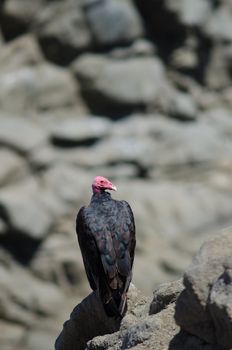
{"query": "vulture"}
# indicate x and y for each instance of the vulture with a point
(106, 235)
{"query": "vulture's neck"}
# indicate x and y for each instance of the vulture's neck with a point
(101, 195)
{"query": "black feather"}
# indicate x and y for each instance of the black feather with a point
(106, 235)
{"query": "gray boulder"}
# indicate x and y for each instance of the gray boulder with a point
(20, 134)
(164, 295)
(113, 22)
(67, 184)
(14, 167)
(38, 339)
(80, 131)
(218, 69)
(204, 307)
(66, 29)
(37, 88)
(16, 16)
(11, 334)
(21, 52)
(182, 106)
(190, 13)
(120, 85)
(220, 306)
(219, 26)
(140, 47)
(22, 305)
(1, 39)
(28, 210)
(58, 259)
(62, 30)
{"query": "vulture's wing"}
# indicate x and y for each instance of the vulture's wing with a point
(127, 250)
(130, 222)
(87, 247)
(116, 245)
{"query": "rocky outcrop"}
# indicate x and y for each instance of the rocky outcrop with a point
(202, 309)
(137, 91)
(88, 319)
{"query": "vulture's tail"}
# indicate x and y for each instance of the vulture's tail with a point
(114, 303)
(116, 306)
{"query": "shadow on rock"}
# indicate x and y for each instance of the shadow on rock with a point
(87, 320)
(186, 341)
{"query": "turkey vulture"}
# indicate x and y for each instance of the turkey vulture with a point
(106, 235)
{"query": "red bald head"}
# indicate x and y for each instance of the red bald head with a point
(100, 183)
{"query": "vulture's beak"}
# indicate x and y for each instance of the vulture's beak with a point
(114, 188)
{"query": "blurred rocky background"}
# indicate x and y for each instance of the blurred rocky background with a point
(137, 91)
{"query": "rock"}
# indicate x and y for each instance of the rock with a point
(58, 260)
(161, 201)
(190, 13)
(117, 150)
(44, 156)
(1, 39)
(171, 141)
(28, 210)
(14, 166)
(20, 134)
(38, 88)
(23, 305)
(62, 31)
(219, 25)
(138, 330)
(79, 328)
(11, 334)
(139, 333)
(39, 338)
(217, 72)
(3, 227)
(140, 47)
(113, 22)
(88, 319)
(227, 97)
(144, 333)
(20, 52)
(186, 341)
(80, 131)
(133, 85)
(220, 306)
(123, 171)
(184, 59)
(68, 184)
(164, 295)
(183, 107)
(16, 16)
(204, 307)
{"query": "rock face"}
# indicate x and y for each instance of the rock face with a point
(88, 320)
(137, 91)
(204, 307)
(133, 82)
(113, 22)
